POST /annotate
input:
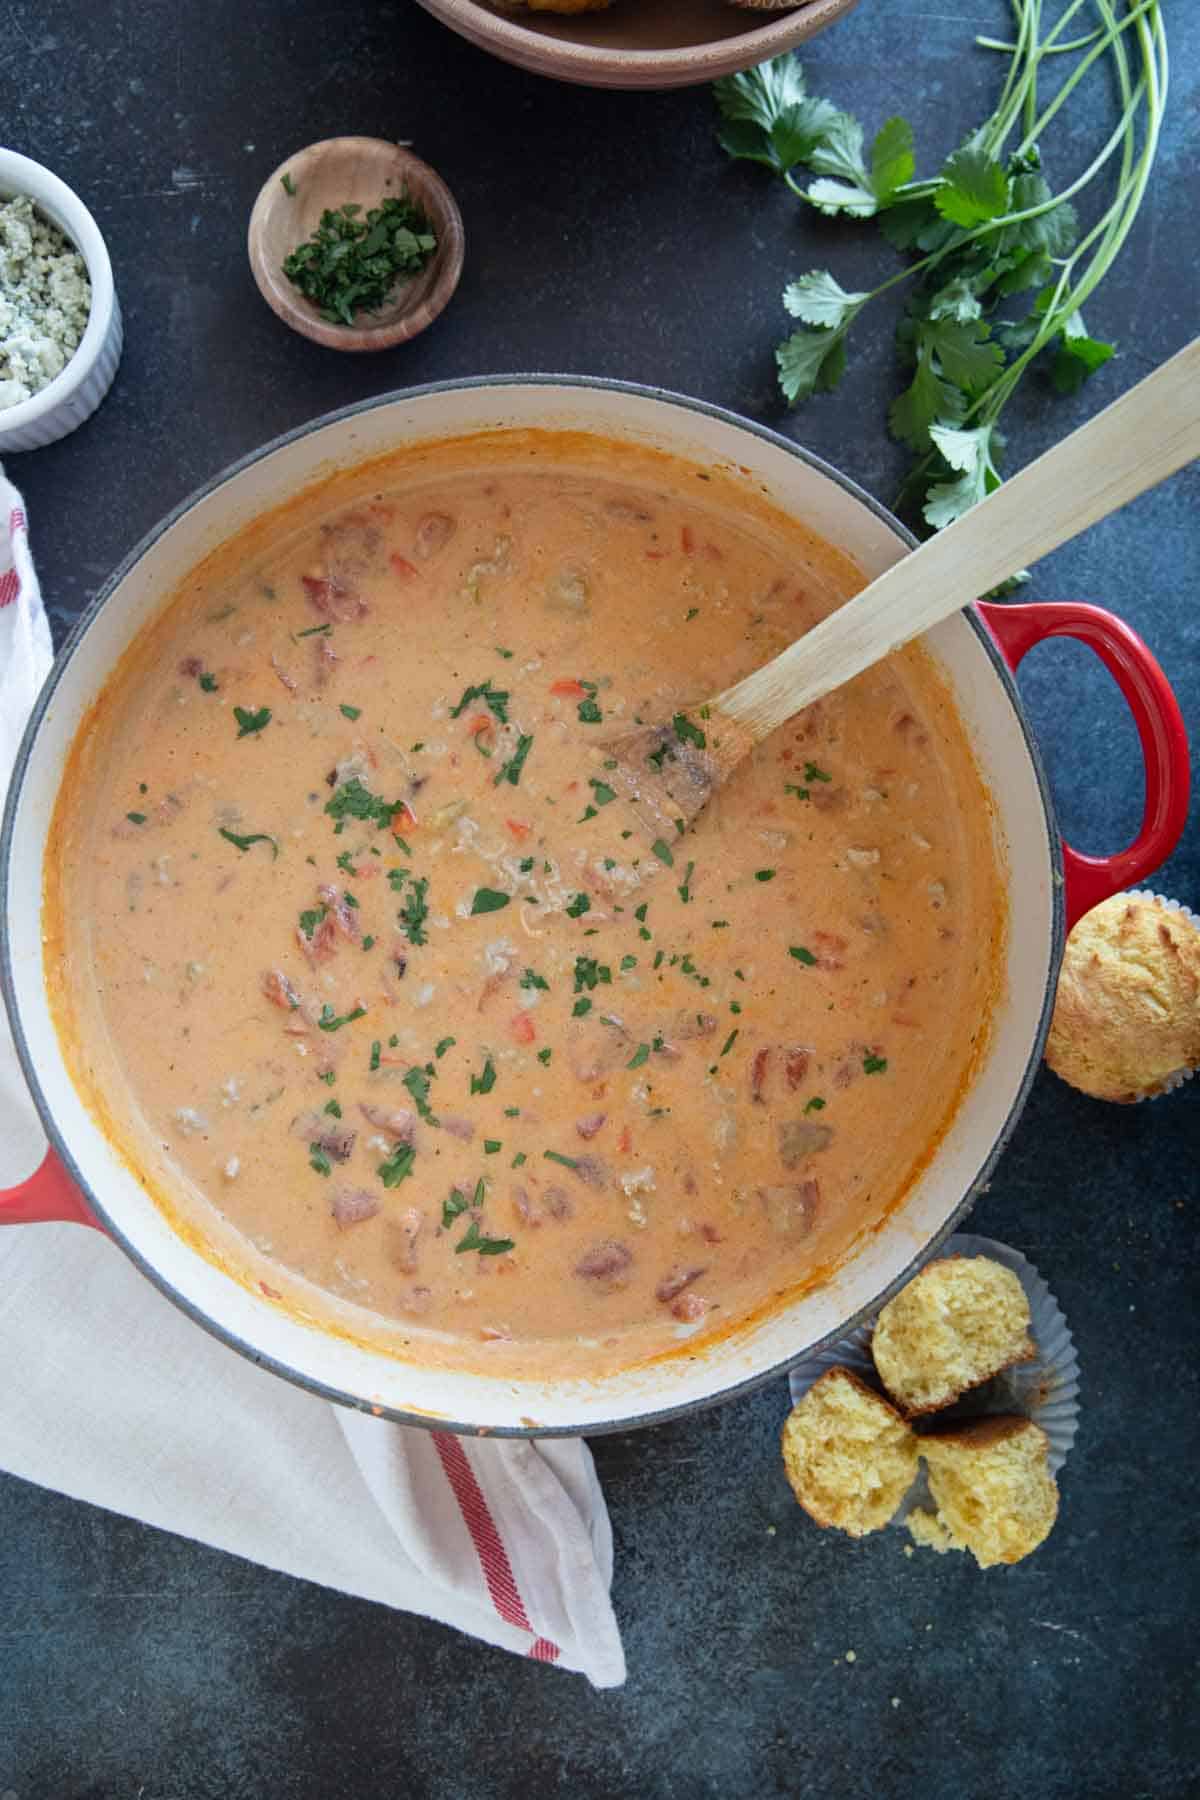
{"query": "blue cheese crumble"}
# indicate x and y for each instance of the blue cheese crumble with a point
(45, 298)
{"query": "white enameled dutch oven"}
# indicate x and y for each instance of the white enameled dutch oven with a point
(85, 1179)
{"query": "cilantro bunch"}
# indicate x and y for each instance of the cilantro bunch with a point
(983, 232)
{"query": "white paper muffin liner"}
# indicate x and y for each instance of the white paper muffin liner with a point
(1045, 1390)
(1177, 1077)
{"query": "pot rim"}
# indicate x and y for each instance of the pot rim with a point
(73, 644)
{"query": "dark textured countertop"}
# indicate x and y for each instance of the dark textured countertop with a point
(607, 234)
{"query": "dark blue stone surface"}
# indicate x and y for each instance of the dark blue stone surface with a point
(606, 234)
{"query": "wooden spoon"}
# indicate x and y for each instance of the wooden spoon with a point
(671, 770)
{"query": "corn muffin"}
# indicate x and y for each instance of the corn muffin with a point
(1127, 1014)
(956, 1324)
(849, 1456)
(992, 1489)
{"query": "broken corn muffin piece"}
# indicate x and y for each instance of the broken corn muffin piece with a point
(956, 1324)
(992, 1489)
(848, 1454)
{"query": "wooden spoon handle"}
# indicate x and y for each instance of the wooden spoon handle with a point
(1137, 441)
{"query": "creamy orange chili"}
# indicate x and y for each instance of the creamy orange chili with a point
(362, 939)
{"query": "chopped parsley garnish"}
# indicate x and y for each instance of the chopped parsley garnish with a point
(544, 1056)
(802, 955)
(287, 184)
(604, 795)
(331, 1021)
(491, 1145)
(639, 912)
(730, 1041)
(640, 1055)
(348, 897)
(397, 878)
(589, 973)
(483, 1084)
(207, 681)
(663, 852)
(661, 755)
(350, 263)
(451, 1208)
(568, 1162)
(318, 1160)
(628, 962)
(580, 1007)
(658, 956)
(344, 862)
(526, 864)
(316, 631)
(512, 1112)
(813, 773)
(816, 1104)
(801, 793)
(251, 722)
(333, 1108)
(350, 712)
(488, 900)
(232, 837)
(764, 874)
(579, 905)
(376, 1053)
(486, 1246)
(414, 912)
(398, 1166)
(311, 918)
(417, 1083)
(354, 801)
(511, 770)
(501, 651)
(140, 819)
(495, 699)
(685, 891)
(531, 980)
(443, 1045)
(368, 942)
(589, 712)
(874, 1065)
(518, 1159)
(687, 733)
(720, 924)
(329, 1077)
(691, 613)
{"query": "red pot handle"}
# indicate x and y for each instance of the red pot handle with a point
(49, 1193)
(1090, 879)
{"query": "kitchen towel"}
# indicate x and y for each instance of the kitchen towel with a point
(113, 1396)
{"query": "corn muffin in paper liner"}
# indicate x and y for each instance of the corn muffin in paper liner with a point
(1045, 1390)
(1174, 1081)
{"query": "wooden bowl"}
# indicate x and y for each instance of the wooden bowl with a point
(640, 43)
(362, 171)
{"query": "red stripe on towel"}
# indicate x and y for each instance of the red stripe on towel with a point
(489, 1546)
(10, 587)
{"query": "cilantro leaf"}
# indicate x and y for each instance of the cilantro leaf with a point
(970, 453)
(495, 699)
(892, 159)
(926, 399)
(244, 843)
(965, 352)
(1078, 356)
(820, 300)
(810, 362)
(976, 187)
(414, 912)
(488, 900)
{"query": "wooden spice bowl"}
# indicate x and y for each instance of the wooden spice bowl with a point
(359, 171)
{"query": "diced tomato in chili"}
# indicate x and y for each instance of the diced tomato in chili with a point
(687, 541)
(523, 1028)
(518, 828)
(625, 1144)
(569, 690)
(402, 565)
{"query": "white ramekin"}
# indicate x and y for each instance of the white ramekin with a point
(77, 390)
